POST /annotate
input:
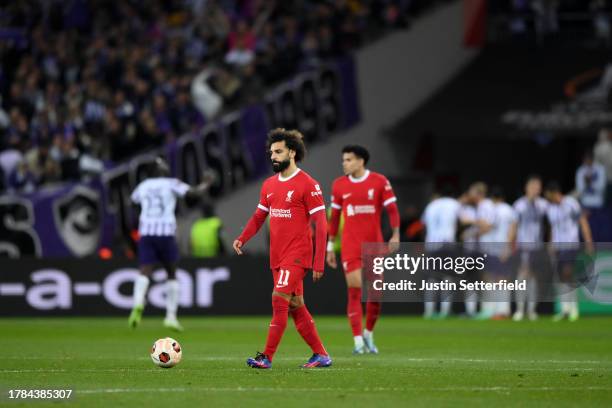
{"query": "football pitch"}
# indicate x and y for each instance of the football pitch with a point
(422, 363)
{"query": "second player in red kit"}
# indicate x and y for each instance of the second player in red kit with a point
(360, 195)
(293, 200)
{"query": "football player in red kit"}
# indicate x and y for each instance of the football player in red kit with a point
(293, 200)
(360, 195)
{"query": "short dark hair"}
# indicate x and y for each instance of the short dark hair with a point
(446, 190)
(358, 151)
(553, 187)
(497, 192)
(293, 139)
(480, 187)
(534, 176)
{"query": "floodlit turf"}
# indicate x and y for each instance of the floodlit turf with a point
(422, 363)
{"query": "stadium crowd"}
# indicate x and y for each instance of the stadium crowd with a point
(546, 21)
(84, 83)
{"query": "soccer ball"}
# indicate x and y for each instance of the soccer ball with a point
(166, 353)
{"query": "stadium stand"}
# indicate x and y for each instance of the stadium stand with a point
(80, 93)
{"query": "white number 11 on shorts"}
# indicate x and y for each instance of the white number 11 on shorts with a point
(283, 282)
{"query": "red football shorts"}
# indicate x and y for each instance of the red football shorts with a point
(351, 264)
(289, 280)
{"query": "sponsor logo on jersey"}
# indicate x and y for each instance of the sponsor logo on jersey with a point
(269, 195)
(280, 213)
(345, 196)
(317, 192)
(352, 210)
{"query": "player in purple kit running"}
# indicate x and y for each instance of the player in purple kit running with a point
(157, 245)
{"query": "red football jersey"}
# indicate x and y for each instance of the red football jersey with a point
(289, 203)
(361, 201)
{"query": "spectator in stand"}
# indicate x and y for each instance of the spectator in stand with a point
(591, 182)
(184, 115)
(267, 54)
(601, 21)
(289, 47)
(66, 154)
(42, 165)
(310, 50)
(327, 42)
(161, 114)
(603, 154)
(215, 22)
(252, 87)
(10, 158)
(5, 120)
(205, 98)
(149, 133)
(21, 180)
(242, 36)
(227, 85)
(518, 21)
(546, 19)
(240, 55)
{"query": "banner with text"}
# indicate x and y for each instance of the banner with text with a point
(77, 287)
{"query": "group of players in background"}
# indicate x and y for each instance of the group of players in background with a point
(540, 232)
(294, 203)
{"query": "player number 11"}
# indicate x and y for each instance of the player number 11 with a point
(283, 274)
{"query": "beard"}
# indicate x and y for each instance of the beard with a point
(280, 166)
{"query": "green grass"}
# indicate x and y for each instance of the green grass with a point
(422, 363)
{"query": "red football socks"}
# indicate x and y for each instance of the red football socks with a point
(280, 315)
(354, 310)
(372, 313)
(307, 329)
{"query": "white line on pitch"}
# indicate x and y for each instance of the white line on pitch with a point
(334, 369)
(338, 389)
(351, 359)
(415, 360)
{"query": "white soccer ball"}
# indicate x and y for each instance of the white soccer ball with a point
(166, 353)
